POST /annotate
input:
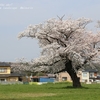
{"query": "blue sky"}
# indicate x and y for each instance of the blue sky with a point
(14, 19)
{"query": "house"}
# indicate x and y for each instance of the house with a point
(93, 73)
(63, 76)
(84, 75)
(6, 74)
(88, 75)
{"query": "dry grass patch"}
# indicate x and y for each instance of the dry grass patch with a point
(36, 94)
(24, 95)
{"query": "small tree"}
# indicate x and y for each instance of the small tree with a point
(66, 46)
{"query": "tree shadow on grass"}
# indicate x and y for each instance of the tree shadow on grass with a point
(68, 87)
(71, 87)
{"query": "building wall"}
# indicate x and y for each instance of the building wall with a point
(93, 74)
(9, 79)
(79, 74)
(85, 77)
(8, 71)
(63, 76)
(12, 79)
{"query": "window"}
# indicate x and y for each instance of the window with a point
(64, 78)
(3, 70)
(2, 79)
(84, 74)
(91, 74)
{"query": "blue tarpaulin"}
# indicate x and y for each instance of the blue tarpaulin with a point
(46, 80)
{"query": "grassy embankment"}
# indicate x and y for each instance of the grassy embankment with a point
(58, 91)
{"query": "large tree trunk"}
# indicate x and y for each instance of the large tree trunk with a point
(72, 73)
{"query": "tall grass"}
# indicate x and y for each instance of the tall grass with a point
(50, 91)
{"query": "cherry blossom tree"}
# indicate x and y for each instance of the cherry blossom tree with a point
(67, 45)
(21, 65)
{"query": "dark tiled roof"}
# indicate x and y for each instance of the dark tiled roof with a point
(4, 64)
(9, 75)
(14, 74)
(4, 75)
(91, 70)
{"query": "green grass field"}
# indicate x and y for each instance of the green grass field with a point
(50, 91)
